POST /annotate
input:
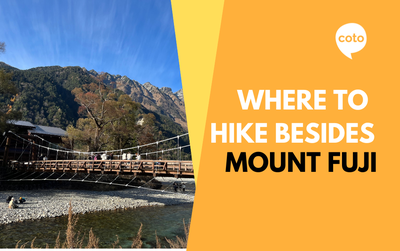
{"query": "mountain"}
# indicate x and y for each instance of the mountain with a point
(6, 66)
(45, 96)
(160, 100)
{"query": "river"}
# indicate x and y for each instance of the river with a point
(166, 220)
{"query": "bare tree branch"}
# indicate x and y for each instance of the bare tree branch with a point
(2, 47)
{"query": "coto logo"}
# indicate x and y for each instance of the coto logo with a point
(351, 38)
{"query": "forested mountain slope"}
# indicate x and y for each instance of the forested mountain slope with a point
(45, 97)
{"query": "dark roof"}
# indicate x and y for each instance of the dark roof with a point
(21, 123)
(39, 129)
(48, 130)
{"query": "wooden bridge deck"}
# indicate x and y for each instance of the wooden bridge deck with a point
(121, 167)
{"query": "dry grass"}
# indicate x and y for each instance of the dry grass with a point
(73, 239)
(137, 241)
(80, 242)
(158, 243)
(70, 233)
(58, 245)
(32, 245)
(93, 241)
(180, 242)
(23, 245)
(115, 244)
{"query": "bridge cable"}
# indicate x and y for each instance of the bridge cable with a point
(19, 175)
(22, 153)
(3, 140)
(49, 176)
(123, 149)
(12, 174)
(116, 184)
(114, 179)
(38, 176)
(147, 182)
(15, 178)
(73, 176)
(60, 176)
(138, 147)
(85, 177)
(52, 143)
(99, 178)
(7, 174)
(15, 149)
(131, 181)
(29, 175)
(168, 186)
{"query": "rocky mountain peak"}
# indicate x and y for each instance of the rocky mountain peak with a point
(93, 72)
(166, 90)
(149, 87)
(179, 94)
(125, 79)
(161, 100)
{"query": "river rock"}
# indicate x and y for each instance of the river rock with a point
(53, 203)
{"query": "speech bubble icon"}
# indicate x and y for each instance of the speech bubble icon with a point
(351, 38)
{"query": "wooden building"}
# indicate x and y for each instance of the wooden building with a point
(19, 147)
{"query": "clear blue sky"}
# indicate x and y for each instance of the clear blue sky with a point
(135, 38)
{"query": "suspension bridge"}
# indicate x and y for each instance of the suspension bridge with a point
(175, 168)
(23, 161)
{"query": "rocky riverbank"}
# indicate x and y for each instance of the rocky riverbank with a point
(55, 202)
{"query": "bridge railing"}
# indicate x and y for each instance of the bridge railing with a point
(156, 167)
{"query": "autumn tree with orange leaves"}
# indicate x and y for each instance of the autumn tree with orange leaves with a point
(108, 120)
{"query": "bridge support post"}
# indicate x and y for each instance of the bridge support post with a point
(34, 156)
(5, 156)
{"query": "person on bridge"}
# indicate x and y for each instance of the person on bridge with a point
(104, 156)
(138, 156)
(160, 164)
(129, 156)
(12, 204)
